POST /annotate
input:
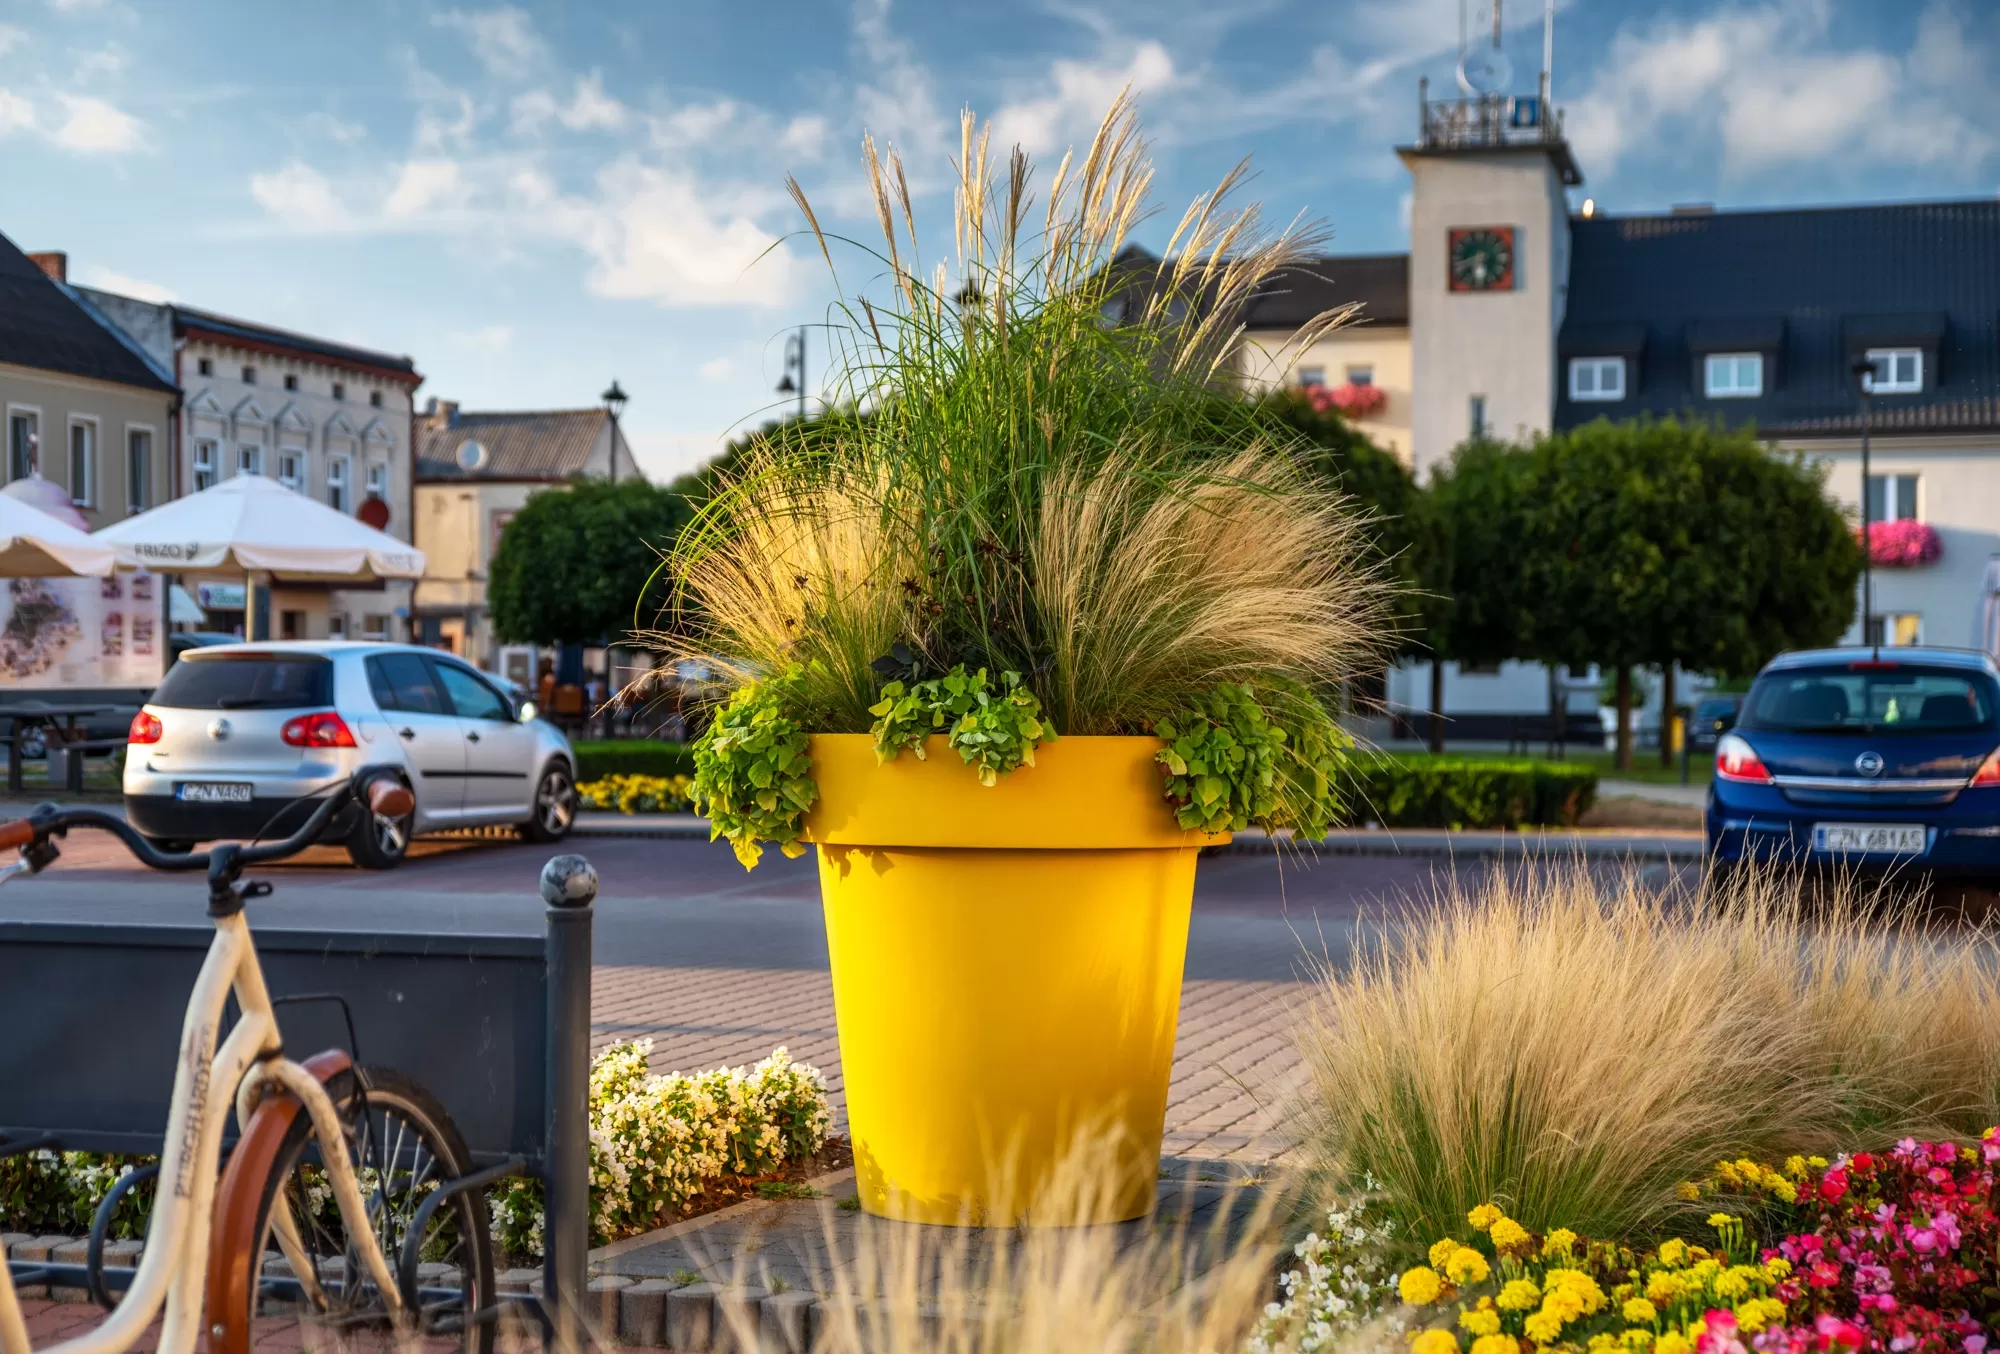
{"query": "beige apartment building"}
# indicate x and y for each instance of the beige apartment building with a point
(84, 407)
(474, 472)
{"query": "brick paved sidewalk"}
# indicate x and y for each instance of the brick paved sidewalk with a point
(1234, 1063)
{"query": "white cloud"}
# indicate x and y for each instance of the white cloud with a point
(895, 100)
(335, 129)
(716, 370)
(301, 198)
(804, 136)
(1070, 112)
(105, 62)
(1768, 83)
(11, 37)
(491, 339)
(17, 114)
(90, 126)
(503, 39)
(590, 109)
(111, 280)
(426, 187)
(75, 6)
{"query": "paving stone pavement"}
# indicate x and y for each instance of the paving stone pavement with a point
(1234, 1062)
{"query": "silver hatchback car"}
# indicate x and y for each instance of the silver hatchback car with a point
(239, 737)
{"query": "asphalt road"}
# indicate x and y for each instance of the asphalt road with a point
(678, 903)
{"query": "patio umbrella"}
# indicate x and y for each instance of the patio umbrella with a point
(35, 543)
(251, 525)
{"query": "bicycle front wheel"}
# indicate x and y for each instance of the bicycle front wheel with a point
(403, 1146)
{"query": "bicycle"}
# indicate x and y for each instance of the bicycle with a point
(335, 1163)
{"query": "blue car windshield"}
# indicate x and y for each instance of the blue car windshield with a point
(1870, 698)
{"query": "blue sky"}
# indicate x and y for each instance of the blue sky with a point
(532, 200)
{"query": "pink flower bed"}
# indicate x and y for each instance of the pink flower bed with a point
(1903, 544)
(1350, 400)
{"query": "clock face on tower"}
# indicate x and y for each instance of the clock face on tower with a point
(1481, 258)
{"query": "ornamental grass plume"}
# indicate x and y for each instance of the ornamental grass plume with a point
(1575, 1048)
(1039, 467)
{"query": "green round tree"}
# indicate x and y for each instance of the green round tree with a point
(581, 565)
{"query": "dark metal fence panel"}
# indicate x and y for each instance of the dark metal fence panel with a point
(94, 1012)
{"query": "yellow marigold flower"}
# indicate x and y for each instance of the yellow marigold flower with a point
(1496, 1344)
(1817, 1163)
(1508, 1235)
(1420, 1286)
(1720, 1220)
(1662, 1289)
(1786, 1191)
(1481, 1320)
(1640, 1312)
(1543, 1327)
(1603, 1342)
(1673, 1252)
(1704, 1269)
(1519, 1295)
(1673, 1342)
(1465, 1265)
(1435, 1342)
(1558, 1243)
(1441, 1252)
(1725, 1171)
(1795, 1167)
(1483, 1217)
(1637, 1338)
(1776, 1269)
(1730, 1285)
(1688, 1190)
(1750, 1316)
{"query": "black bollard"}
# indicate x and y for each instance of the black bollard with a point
(569, 886)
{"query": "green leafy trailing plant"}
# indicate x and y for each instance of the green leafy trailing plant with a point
(995, 731)
(1237, 757)
(753, 771)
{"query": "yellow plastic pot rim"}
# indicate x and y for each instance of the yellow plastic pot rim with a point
(1082, 794)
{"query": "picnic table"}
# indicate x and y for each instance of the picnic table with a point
(60, 722)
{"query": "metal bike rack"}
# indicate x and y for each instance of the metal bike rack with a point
(496, 1026)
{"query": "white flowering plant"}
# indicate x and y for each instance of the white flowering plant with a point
(1346, 1276)
(657, 1141)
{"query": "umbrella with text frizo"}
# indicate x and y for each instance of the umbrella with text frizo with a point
(249, 524)
(35, 544)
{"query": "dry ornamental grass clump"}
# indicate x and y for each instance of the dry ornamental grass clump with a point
(1041, 468)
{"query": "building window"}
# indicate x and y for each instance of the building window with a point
(1361, 376)
(138, 469)
(204, 464)
(1733, 376)
(205, 365)
(291, 382)
(1898, 371)
(1892, 498)
(249, 376)
(82, 463)
(1475, 422)
(291, 625)
(378, 481)
(249, 459)
(336, 483)
(375, 625)
(1597, 378)
(1900, 628)
(24, 443)
(375, 399)
(339, 390)
(292, 470)
(336, 625)
(1312, 376)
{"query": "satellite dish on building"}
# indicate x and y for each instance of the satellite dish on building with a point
(1485, 70)
(471, 454)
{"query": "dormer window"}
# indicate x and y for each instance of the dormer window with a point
(1898, 371)
(1596, 379)
(1733, 376)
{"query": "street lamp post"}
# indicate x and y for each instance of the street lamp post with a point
(794, 382)
(614, 404)
(1864, 375)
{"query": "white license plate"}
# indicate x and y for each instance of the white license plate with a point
(212, 792)
(1902, 839)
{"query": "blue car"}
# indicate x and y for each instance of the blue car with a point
(1879, 759)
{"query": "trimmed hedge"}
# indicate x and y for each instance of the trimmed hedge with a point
(1468, 792)
(632, 757)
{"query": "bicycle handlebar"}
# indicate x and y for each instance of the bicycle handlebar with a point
(377, 786)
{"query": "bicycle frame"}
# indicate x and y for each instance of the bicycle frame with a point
(174, 1267)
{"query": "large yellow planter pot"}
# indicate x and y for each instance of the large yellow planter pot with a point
(1006, 970)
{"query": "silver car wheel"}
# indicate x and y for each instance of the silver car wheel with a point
(392, 834)
(555, 802)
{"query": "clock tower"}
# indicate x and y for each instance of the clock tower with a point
(1489, 268)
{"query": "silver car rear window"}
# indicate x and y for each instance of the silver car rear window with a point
(247, 681)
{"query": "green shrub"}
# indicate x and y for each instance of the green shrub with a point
(633, 757)
(1466, 792)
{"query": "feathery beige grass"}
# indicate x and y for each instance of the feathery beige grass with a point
(1575, 1050)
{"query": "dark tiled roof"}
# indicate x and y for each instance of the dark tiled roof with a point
(1380, 282)
(1810, 288)
(263, 334)
(43, 326)
(551, 444)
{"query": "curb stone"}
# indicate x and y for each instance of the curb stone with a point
(690, 1318)
(602, 1304)
(642, 1312)
(738, 1317)
(785, 1326)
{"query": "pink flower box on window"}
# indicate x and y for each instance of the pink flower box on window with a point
(1903, 545)
(1350, 400)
